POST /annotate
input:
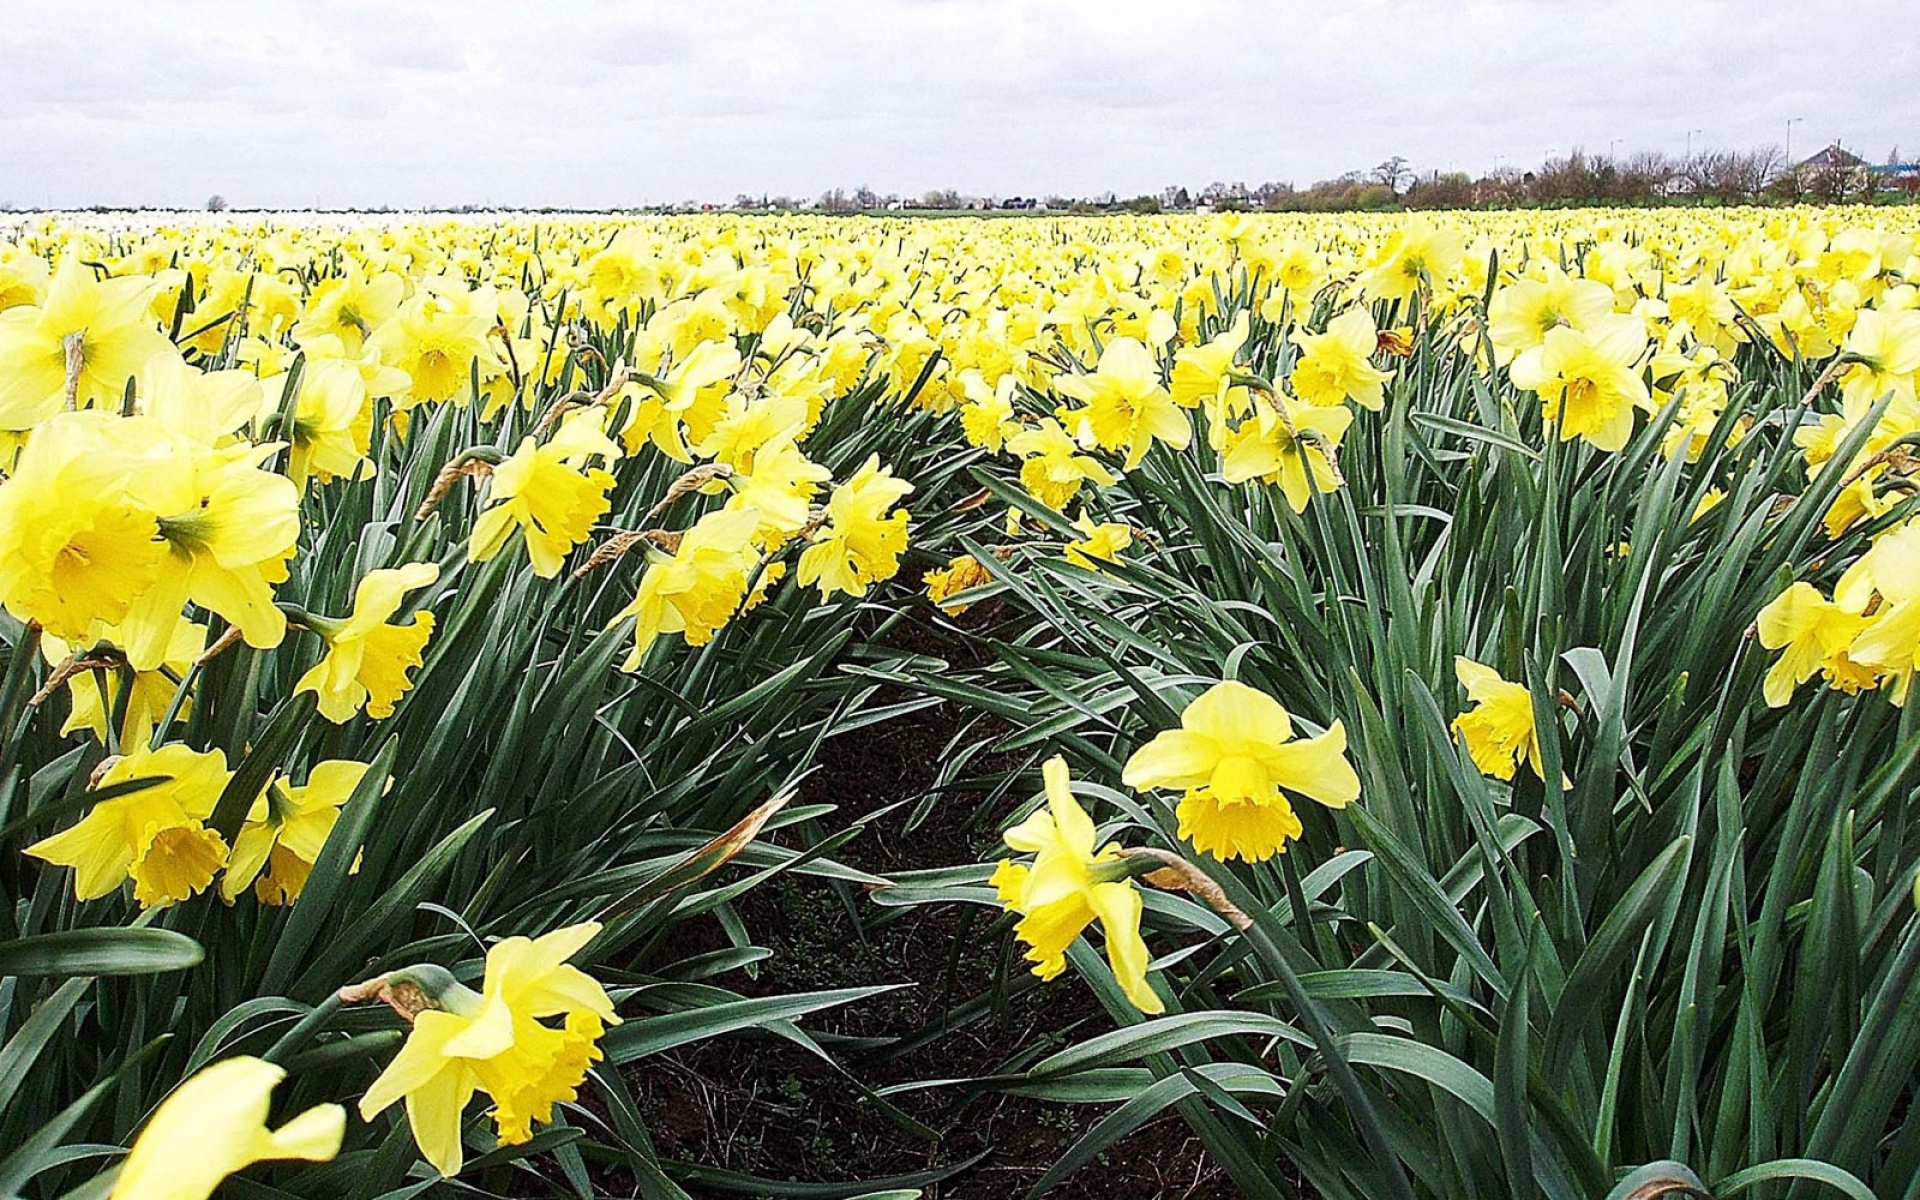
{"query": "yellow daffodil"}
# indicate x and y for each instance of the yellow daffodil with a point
(1126, 408)
(78, 347)
(1337, 366)
(959, 575)
(864, 534)
(1290, 445)
(1499, 729)
(215, 1124)
(1100, 542)
(156, 836)
(1588, 380)
(285, 831)
(1053, 468)
(367, 658)
(554, 503)
(500, 1042)
(696, 589)
(1237, 759)
(1068, 886)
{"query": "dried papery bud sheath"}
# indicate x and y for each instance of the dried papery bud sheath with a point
(413, 990)
(478, 461)
(691, 481)
(1171, 873)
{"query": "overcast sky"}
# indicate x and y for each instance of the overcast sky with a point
(294, 103)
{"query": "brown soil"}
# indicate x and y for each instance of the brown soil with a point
(762, 1106)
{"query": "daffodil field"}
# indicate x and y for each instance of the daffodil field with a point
(1440, 683)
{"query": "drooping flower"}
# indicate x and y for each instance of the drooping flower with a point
(554, 503)
(1499, 730)
(1068, 886)
(864, 535)
(959, 575)
(1126, 408)
(367, 658)
(696, 589)
(285, 831)
(1237, 759)
(1290, 445)
(1588, 380)
(1052, 467)
(1337, 365)
(1809, 630)
(156, 836)
(499, 1042)
(149, 695)
(215, 1124)
(1099, 542)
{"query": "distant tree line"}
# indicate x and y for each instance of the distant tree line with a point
(1761, 175)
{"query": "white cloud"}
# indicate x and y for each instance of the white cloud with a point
(454, 101)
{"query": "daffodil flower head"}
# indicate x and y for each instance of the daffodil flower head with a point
(1588, 380)
(1126, 408)
(1100, 542)
(1052, 467)
(1069, 885)
(499, 1041)
(1237, 759)
(1290, 445)
(864, 534)
(1337, 366)
(368, 658)
(155, 836)
(285, 831)
(1499, 729)
(553, 502)
(215, 1124)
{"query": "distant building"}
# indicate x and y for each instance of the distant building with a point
(1834, 157)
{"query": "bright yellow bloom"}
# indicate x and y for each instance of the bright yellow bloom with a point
(1499, 730)
(987, 417)
(1889, 645)
(1237, 758)
(1810, 630)
(1888, 347)
(697, 589)
(439, 338)
(780, 488)
(215, 1124)
(1588, 380)
(683, 402)
(1053, 467)
(1337, 365)
(1126, 407)
(1099, 542)
(367, 659)
(155, 836)
(1290, 445)
(864, 534)
(76, 549)
(499, 1042)
(285, 831)
(1523, 312)
(536, 490)
(77, 348)
(1202, 376)
(1068, 886)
